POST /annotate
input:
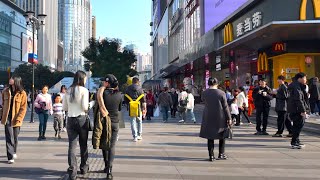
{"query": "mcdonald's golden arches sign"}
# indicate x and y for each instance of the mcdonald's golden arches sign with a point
(262, 63)
(303, 9)
(227, 33)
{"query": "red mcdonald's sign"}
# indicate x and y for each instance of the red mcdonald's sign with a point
(279, 47)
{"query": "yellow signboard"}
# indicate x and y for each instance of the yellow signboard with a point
(262, 63)
(227, 33)
(303, 9)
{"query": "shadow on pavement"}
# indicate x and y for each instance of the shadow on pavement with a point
(28, 173)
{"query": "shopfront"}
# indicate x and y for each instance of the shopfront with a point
(271, 38)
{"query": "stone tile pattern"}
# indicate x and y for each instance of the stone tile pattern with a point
(168, 151)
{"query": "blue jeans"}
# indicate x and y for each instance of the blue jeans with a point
(189, 111)
(43, 119)
(165, 112)
(136, 126)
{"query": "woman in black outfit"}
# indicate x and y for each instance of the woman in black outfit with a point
(109, 101)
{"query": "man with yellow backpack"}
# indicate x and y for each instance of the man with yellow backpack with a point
(137, 107)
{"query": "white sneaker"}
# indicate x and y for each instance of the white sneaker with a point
(118, 138)
(11, 161)
(64, 130)
(135, 139)
(15, 156)
(139, 137)
(181, 121)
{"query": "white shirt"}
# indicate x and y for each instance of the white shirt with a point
(242, 99)
(80, 104)
(234, 109)
(190, 104)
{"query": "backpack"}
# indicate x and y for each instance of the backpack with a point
(134, 106)
(149, 101)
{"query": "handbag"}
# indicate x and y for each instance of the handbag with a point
(89, 123)
(228, 133)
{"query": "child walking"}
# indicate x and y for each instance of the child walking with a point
(58, 115)
(235, 111)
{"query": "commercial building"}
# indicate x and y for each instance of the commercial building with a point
(13, 38)
(75, 29)
(144, 66)
(237, 41)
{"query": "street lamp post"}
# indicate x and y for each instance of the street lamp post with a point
(36, 23)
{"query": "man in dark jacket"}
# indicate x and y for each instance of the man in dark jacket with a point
(262, 96)
(134, 91)
(315, 96)
(165, 102)
(282, 96)
(298, 107)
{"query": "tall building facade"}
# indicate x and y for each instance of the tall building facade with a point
(75, 29)
(14, 38)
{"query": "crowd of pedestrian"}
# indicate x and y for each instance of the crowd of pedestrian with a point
(70, 109)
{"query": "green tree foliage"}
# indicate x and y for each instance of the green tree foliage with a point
(105, 57)
(42, 75)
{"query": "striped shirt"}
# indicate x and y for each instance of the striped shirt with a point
(58, 109)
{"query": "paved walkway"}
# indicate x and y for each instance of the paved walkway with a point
(169, 151)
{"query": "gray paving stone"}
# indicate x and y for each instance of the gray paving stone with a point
(169, 151)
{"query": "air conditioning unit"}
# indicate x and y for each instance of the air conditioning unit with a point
(151, 44)
(151, 23)
(151, 33)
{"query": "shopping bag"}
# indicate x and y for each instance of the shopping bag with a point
(156, 112)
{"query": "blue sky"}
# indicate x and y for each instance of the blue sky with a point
(127, 20)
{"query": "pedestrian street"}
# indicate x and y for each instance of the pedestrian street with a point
(168, 151)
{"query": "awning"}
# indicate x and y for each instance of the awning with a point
(274, 32)
(92, 84)
(169, 69)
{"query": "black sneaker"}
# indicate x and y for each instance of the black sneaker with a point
(212, 158)
(39, 138)
(264, 133)
(43, 137)
(222, 157)
(301, 145)
(277, 135)
(258, 133)
(295, 146)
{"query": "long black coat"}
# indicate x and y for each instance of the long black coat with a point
(282, 98)
(315, 92)
(215, 114)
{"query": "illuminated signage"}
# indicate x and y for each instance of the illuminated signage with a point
(279, 47)
(228, 33)
(262, 63)
(249, 24)
(303, 9)
(191, 6)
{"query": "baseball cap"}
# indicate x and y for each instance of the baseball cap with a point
(110, 78)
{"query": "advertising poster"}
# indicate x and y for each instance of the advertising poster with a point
(27, 44)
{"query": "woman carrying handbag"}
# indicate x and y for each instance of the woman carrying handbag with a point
(219, 127)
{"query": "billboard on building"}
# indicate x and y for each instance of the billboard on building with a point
(26, 46)
(215, 11)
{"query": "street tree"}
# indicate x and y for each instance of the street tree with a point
(42, 75)
(106, 57)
